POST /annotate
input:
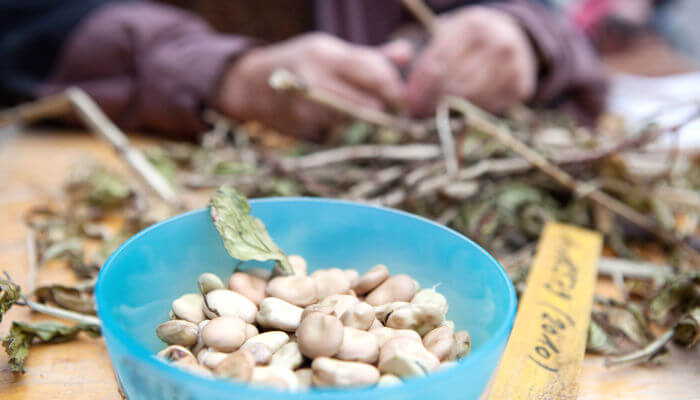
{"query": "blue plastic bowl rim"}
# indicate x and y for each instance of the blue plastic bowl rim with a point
(139, 352)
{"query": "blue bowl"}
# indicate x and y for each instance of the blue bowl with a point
(141, 278)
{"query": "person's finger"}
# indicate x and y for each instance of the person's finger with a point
(398, 51)
(371, 72)
(425, 82)
(352, 94)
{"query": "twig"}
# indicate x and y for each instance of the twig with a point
(488, 124)
(449, 151)
(391, 199)
(32, 259)
(633, 269)
(285, 81)
(642, 355)
(366, 188)
(408, 152)
(423, 13)
(50, 106)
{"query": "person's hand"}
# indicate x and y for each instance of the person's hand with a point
(360, 74)
(477, 53)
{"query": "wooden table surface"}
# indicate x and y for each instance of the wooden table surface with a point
(33, 166)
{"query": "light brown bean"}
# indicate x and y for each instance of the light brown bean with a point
(272, 339)
(276, 313)
(238, 366)
(397, 288)
(178, 331)
(421, 318)
(339, 303)
(277, 377)
(383, 334)
(189, 307)
(208, 282)
(319, 335)
(330, 372)
(225, 334)
(358, 345)
(288, 356)
(371, 279)
(360, 316)
(298, 264)
(330, 281)
(250, 286)
(404, 357)
(297, 290)
(440, 341)
(223, 302)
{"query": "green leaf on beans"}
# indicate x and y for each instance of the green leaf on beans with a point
(244, 236)
(9, 295)
(23, 334)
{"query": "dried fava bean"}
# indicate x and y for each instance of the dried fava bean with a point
(462, 346)
(208, 282)
(440, 341)
(416, 288)
(297, 290)
(358, 345)
(319, 335)
(304, 378)
(288, 356)
(224, 334)
(189, 307)
(210, 358)
(238, 366)
(250, 331)
(384, 334)
(383, 311)
(262, 273)
(406, 357)
(419, 317)
(250, 286)
(276, 313)
(272, 339)
(432, 298)
(446, 365)
(178, 331)
(360, 316)
(339, 303)
(277, 377)
(376, 324)
(200, 344)
(353, 276)
(371, 279)
(329, 372)
(261, 353)
(389, 380)
(330, 281)
(328, 310)
(222, 302)
(397, 288)
(298, 264)
(179, 354)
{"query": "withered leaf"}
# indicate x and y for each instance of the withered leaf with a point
(676, 297)
(244, 236)
(23, 334)
(599, 342)
(687, 330)
(77, 299)
(9, 295)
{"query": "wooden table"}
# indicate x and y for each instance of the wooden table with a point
(33, 165)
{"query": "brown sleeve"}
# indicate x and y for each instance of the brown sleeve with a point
(570, 76)
(151, 67)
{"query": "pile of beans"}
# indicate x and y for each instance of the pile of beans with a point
(330, 328)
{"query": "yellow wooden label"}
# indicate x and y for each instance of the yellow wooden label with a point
(545, 351)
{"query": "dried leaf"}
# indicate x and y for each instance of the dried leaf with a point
(99, 187)
(160, 159)
(687, 330)
(244, 236)
(9, 295)
(79, 299)
(678, 296)
(599, 342)
(22, 335)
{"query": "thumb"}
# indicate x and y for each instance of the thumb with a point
(399, 51)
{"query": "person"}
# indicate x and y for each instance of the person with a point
(154, 67)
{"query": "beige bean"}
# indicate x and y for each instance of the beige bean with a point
(200, 344)
(261, 353)
(208, 282)
(178, 331)
(276, 313)
(376, 324)
(462, 346)
(339, 303)
(319, 335)
(397, 288)
(288, 356)
(210, 358)
(193, 368)
(222, 302)
(330, 372)
(272, 339)
(179, 354)
(406, 357)
(276, 377)
(419, 317)
(383, 311)
(250, 286)
(238, 366)
(440, 341)
(371, 279)
(250, 331)
(296, 289)
(360, 316)
(298, 264)
(387, 380)
(432, 298)
(327, 310)
(358, 345)
(353, 276)
(225, 334)
(330, 281)
(262, 273)
(189, 307)
(384, 334)
(304, 378)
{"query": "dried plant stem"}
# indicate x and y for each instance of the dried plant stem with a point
(61, 313)
(447, 141)
(633, 269)
(368, 187)
(32, 259)
(50, 106)
(488, 124)
(408, 152)
(642, 355)
(285, 81)
(423, 13)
